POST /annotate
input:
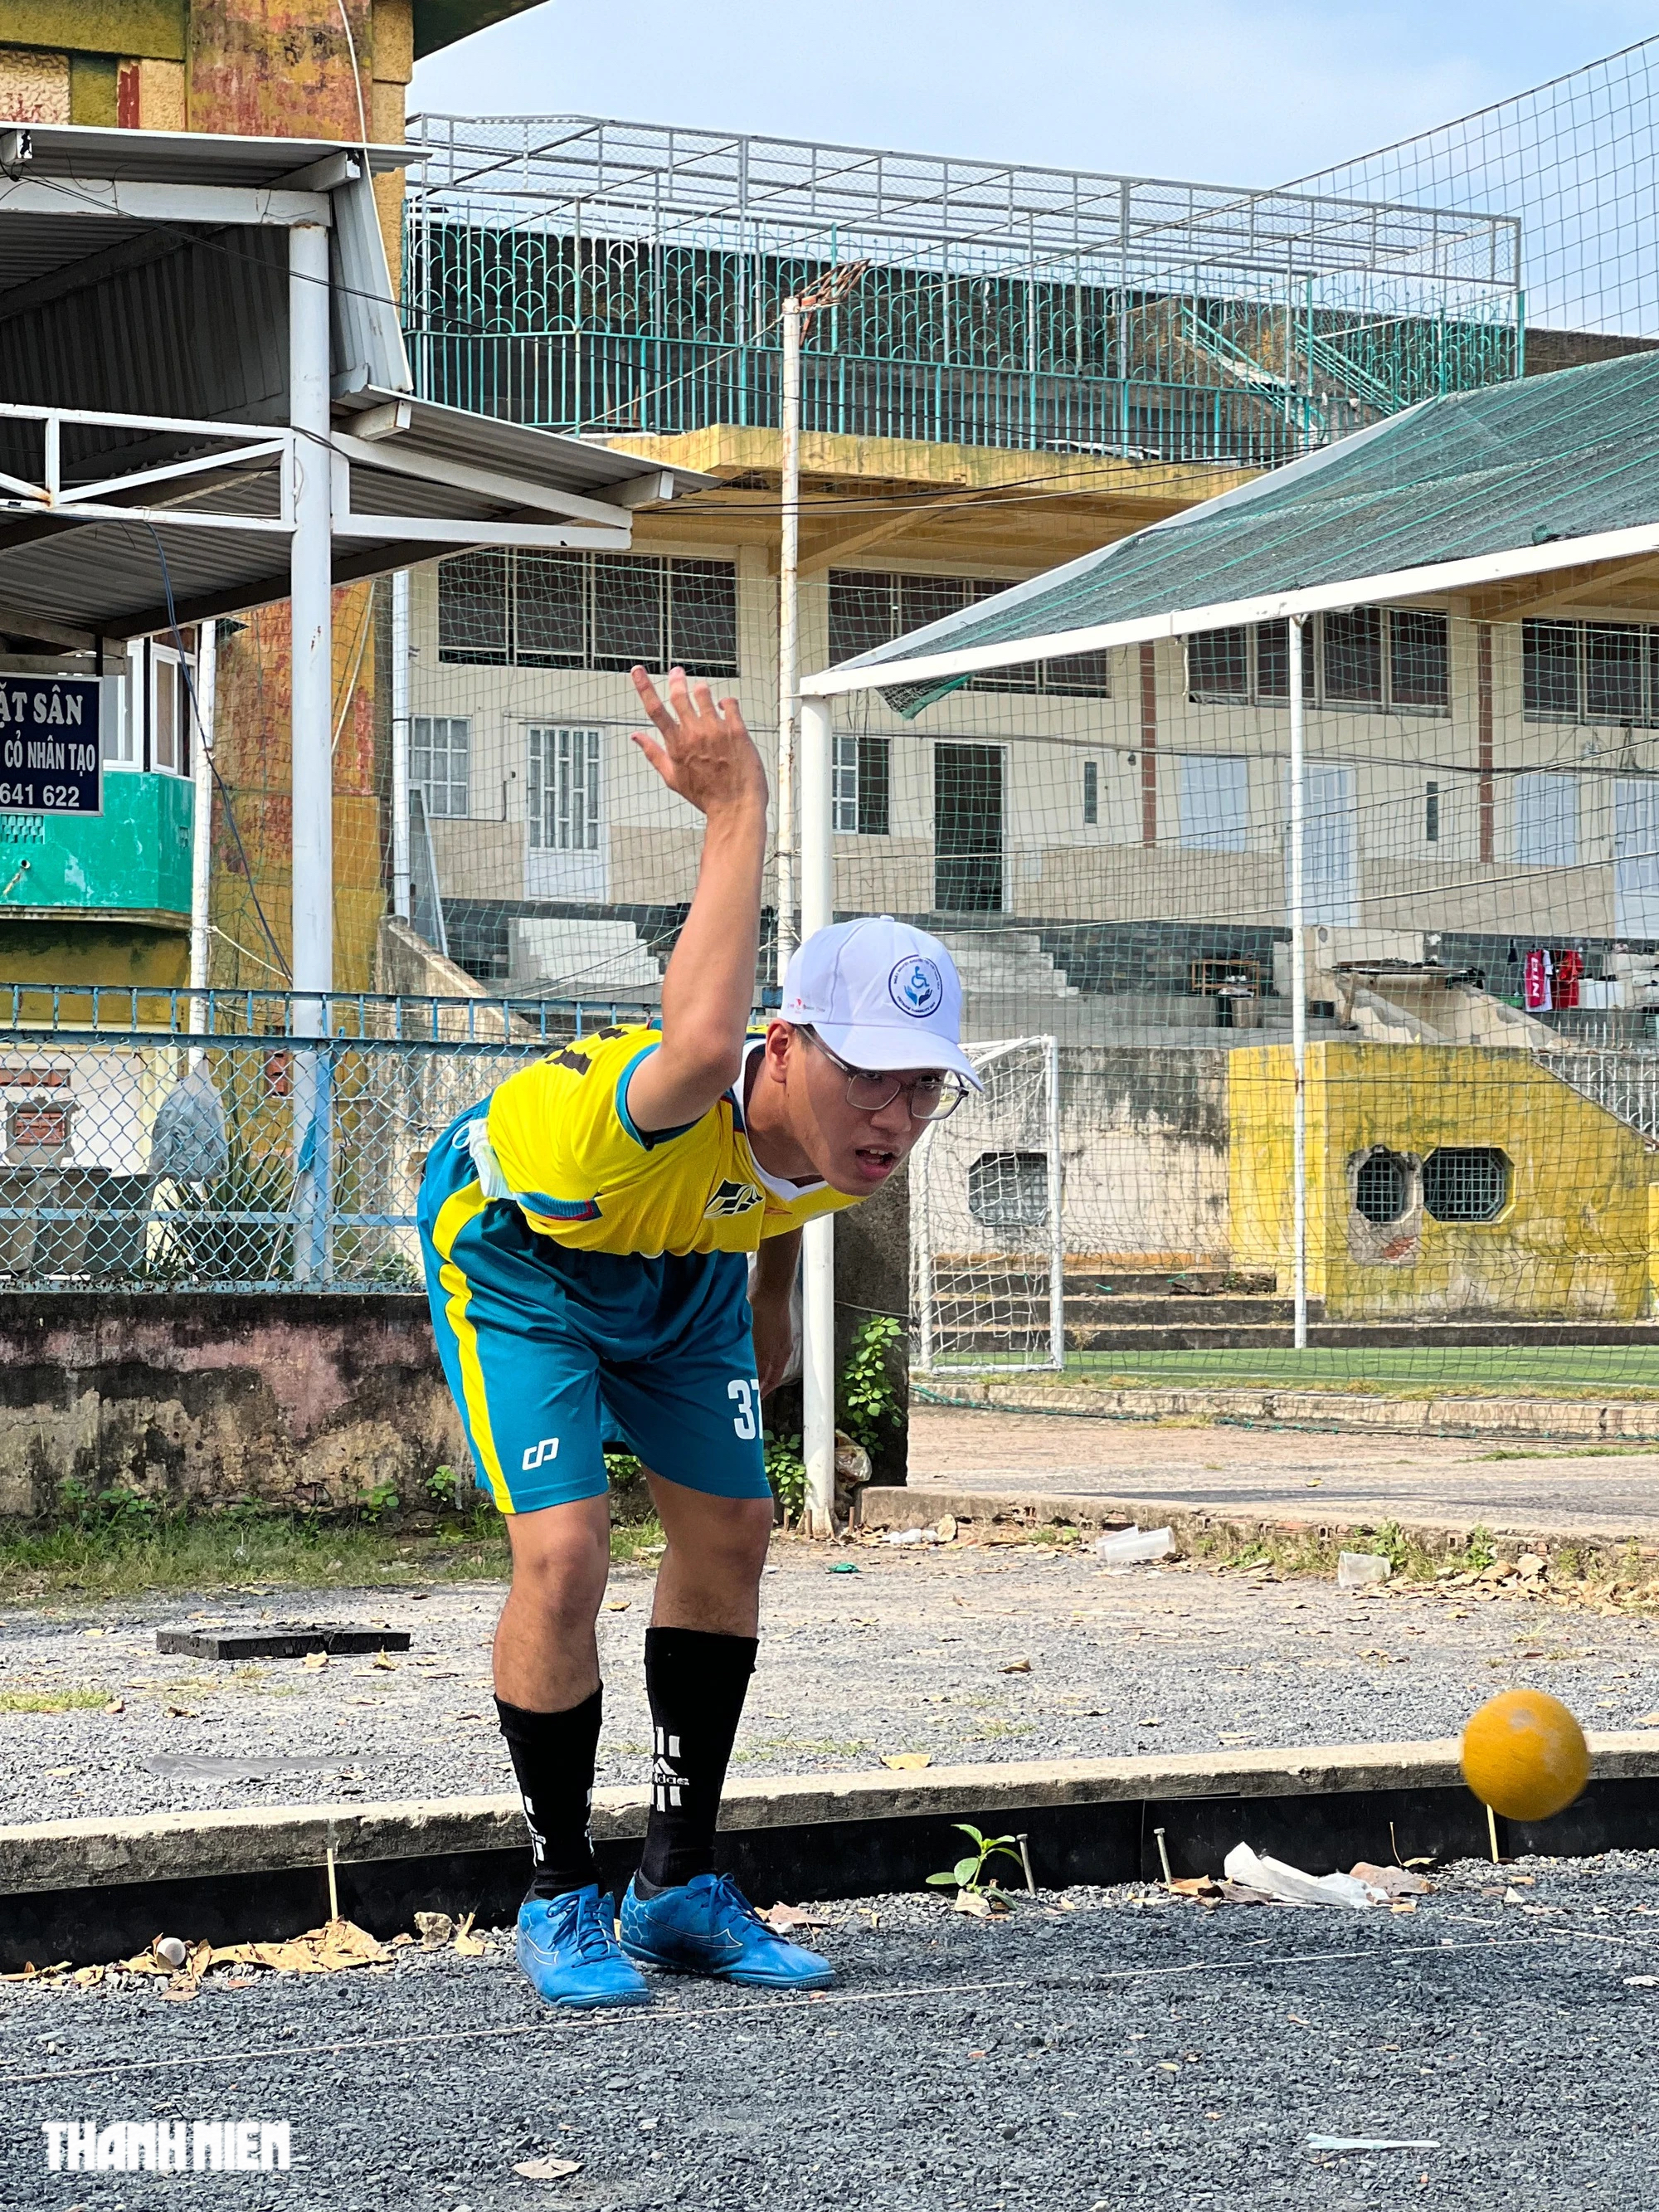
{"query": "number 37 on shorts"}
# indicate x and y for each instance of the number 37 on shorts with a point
(747, 1397)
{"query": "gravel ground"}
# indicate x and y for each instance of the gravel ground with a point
(908, 1654)
(1130, 2051)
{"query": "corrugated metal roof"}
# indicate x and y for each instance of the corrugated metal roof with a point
(72, 150)
(157, 318)
(491, 441)
(1538, 464)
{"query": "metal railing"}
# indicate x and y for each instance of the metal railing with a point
(244, 1141)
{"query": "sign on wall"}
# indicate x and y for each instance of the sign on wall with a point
(50, 758)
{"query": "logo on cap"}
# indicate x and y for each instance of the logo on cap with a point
(916, 986)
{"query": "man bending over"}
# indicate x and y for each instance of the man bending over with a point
(586, 1233)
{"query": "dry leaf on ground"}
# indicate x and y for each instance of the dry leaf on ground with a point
(781, 1918)
(325, 1950)
(906, 1760)
(1017, 1666)
(547, 2169)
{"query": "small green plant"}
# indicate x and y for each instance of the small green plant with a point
(968, 1873)
(440, 1488)
(114, 1508)
(869, 1400)
(378, 1501)
(1479, 1549)
(785, 1471)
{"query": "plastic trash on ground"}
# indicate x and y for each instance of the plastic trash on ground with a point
(940, 1532)
(1291, 1887)
(1359, 1570)
(1129, 1548)
(1373, 2142)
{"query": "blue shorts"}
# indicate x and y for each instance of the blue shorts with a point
(553, 1354)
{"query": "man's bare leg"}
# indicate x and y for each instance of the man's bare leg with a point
(546, 1655)
(709, 1577)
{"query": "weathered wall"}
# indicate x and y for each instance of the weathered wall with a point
(1571, 1240)
(196, 1399)
(1143, 1153)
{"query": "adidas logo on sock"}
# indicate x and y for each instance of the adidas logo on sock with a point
(668, 1784)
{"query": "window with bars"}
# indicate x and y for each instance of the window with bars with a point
(1577, 671)
(1090, 794)
(863, 781)
(869, 607)
(598, 610)
(1372, 660)
(1465, 1183)
(440, 763)
(563, 790)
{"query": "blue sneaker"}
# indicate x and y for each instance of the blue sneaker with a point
(567, 1948)
(706, 1926)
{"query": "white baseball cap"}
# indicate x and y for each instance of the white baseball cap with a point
(880, 994)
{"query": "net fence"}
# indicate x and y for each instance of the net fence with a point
(157, 1143)
(1103, 844)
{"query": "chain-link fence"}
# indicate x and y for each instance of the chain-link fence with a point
(154, 1142)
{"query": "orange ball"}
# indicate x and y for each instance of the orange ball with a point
(1525, 1755)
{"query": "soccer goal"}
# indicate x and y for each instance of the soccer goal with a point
(987, 1222)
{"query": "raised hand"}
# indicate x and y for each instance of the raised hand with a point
(705, 753)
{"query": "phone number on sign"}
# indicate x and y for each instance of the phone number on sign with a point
(48, 796)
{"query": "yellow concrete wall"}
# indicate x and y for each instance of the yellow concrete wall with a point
(1574, 1238)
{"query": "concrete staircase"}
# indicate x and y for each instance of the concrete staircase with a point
(570, 956)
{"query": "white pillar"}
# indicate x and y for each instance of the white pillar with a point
(402, 875)
(310, 588)
(201, 853)
(1298, 987)
(311, 585)
(818, 1244)
(788, 635)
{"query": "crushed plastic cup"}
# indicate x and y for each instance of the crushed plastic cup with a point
(1359, 1570)
(1275, 1878)
(1131, 1547)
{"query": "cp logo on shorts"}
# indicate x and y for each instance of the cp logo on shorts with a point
(541, 1455)
(916, 986)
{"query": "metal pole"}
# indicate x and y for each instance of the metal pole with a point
(1298, 987)
(403, 873)
(310, 588)
(201, 851)
(312, 719)
(819, 1242)
(1056, 1214)
(788, 634)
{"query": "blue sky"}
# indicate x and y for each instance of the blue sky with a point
(1223, 91)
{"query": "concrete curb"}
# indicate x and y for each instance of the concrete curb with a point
(90, 1890)
(1597, 1420)
(982, 1512)
(166, 1846)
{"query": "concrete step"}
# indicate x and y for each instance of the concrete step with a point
(575, 956)
(1021, 1310)
(1001, 963)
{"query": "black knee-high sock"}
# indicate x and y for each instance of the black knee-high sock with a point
(553, 1756)
(696, 1684)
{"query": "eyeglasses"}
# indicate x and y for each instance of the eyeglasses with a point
(929, 1098)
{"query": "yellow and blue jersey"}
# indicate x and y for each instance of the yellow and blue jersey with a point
(588, 1282)
(558, 1140)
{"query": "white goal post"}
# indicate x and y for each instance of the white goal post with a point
(988, 1226)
